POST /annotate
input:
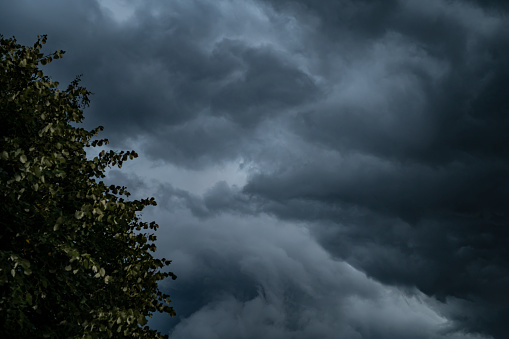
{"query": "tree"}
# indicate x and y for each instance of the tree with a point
(75, 257)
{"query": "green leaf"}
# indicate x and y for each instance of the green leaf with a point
(79, 214)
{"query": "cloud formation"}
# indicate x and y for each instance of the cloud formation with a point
(370, 198)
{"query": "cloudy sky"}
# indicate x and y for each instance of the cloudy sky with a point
(324, 169)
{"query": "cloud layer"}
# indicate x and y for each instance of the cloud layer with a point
(324, 168)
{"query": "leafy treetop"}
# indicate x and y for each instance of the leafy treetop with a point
(75, 259)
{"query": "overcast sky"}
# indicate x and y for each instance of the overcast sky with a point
(324, 169)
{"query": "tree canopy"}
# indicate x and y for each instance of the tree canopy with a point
(76, 260)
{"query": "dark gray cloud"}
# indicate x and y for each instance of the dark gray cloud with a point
(426, 149)
(182, 77)
(257, 279)
(371, 135)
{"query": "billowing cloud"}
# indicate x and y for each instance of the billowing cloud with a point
(324, 168)
(267, 277)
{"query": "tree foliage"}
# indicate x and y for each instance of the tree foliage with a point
(75, 257)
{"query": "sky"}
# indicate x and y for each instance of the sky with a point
(323, 169)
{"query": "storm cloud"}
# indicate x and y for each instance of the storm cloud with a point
(323, 169)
